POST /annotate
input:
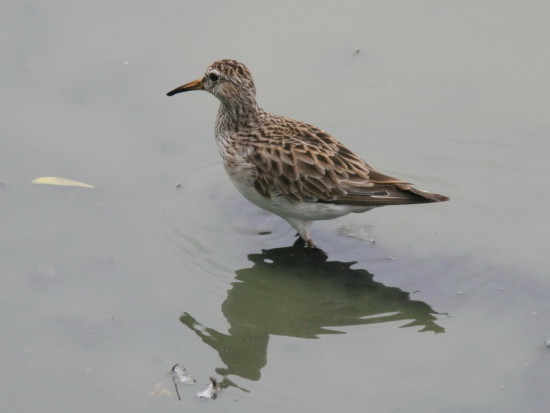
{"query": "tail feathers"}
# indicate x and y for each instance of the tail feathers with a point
(388, 194)
(424, 195)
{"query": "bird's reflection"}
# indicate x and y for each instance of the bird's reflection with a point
(297, 292)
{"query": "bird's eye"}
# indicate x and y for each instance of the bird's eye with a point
(213, 77)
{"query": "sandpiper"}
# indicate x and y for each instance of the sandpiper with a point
(288, 167)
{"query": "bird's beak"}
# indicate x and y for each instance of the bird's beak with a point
(194, 85)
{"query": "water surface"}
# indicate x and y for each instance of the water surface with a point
(422, 308)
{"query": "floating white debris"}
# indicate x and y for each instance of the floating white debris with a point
(547, 343)
(54, 180)
(180, 376)
(362, 232)
(211, 391)
(159, 391)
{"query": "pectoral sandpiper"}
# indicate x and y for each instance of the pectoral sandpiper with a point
(289, 167)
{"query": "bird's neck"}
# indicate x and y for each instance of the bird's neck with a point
(234, 118)
(237, 116)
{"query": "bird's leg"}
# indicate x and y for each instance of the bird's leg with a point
(300, 242)
(303, 231)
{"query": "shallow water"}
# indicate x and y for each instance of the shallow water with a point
(422, 308)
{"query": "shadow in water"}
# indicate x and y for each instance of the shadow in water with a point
(297, 292)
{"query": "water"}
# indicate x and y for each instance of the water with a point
(105, 289)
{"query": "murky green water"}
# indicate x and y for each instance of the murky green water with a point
(430, 308)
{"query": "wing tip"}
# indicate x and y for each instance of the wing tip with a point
(428, 196)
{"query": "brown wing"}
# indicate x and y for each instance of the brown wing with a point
(303, 163)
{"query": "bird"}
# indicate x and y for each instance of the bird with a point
(288, 167)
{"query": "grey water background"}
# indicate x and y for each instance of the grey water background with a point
(104, 290)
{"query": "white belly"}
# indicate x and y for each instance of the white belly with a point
(279, 205)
